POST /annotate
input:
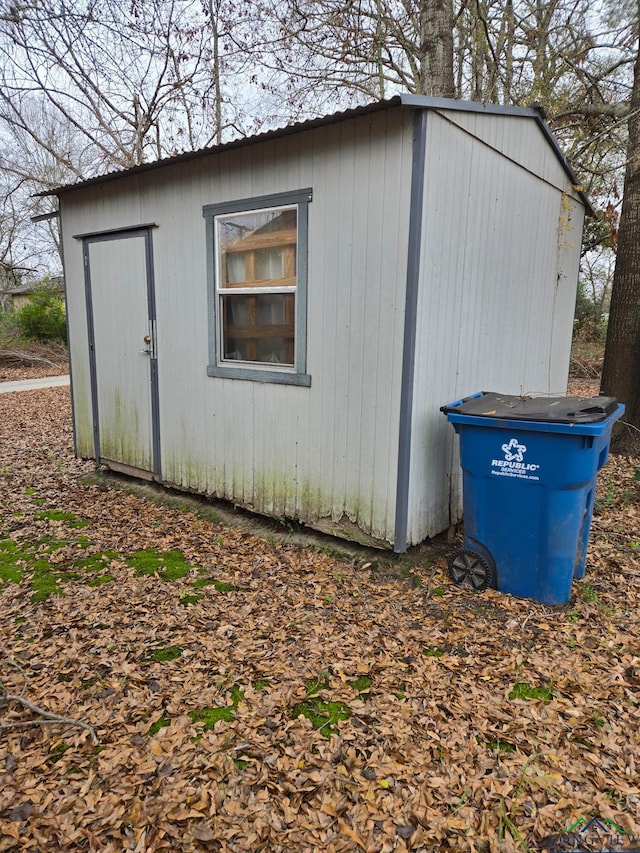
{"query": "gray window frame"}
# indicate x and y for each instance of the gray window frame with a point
(296, 375)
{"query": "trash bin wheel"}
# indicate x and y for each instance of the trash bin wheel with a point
(471, 569)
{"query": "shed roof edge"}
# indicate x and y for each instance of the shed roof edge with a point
(405, 100)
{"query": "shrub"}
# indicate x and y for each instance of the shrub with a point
(43, 318)
(9, 331)
(590, 321)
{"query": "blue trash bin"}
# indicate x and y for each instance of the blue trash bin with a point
(529, 478)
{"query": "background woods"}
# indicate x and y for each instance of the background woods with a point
(86, 87)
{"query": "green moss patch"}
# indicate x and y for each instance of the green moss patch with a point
(47, 578)
(56, 515)
(49, 545)
(361, 684)
(99, 580)
(501, 746)
(96, 562)
(59, 515)
(186, 600)
(522, 690)
(220, 586)
(161, 723)
(433, 652)
(56, 752)
(10, 555)
(323, 715)
(210, 716)
(164, 654)
(237, 695)
(315, 685)
(168, 565)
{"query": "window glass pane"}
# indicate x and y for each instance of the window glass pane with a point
(269, 263)
(259, 327)
(270, 310)
(257, 249)
(235, 267)
(257, 271)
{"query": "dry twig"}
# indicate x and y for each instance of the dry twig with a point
(21, 357)
(46, 717)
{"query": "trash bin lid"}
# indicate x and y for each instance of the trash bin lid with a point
(564, 410)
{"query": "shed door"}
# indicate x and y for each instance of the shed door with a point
(121, 311)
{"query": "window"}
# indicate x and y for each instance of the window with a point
(257, 253)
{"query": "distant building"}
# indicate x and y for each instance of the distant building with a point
(10, 278)
(20, 295)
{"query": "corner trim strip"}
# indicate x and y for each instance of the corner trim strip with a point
(410, 324)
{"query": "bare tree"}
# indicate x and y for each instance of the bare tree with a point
(130, 78)
(435, 48)
(316, 55)
(26, 169)
(97, 84)
(622, 354)
(90, 86)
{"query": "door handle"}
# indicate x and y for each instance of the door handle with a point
(147, 341)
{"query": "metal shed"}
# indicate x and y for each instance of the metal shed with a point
(277, 320)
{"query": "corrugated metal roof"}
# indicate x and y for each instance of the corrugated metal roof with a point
(408, 100)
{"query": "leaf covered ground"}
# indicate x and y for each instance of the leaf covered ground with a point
(31, 360)
(254, 695)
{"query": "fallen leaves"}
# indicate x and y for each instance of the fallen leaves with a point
(438, 748)
(32, 360)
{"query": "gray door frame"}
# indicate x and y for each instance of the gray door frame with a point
(144, 231)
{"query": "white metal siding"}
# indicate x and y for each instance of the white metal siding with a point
(325, 454)
(518, 139)
(78, 338)
(498, 275)
(497, 293)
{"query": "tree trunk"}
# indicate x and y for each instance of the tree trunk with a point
(214, 15)
(436, 48)
(621, 370)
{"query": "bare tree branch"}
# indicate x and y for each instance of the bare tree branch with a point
(46, 717)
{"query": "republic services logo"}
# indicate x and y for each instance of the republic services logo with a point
(513, 464)
(513, 451)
